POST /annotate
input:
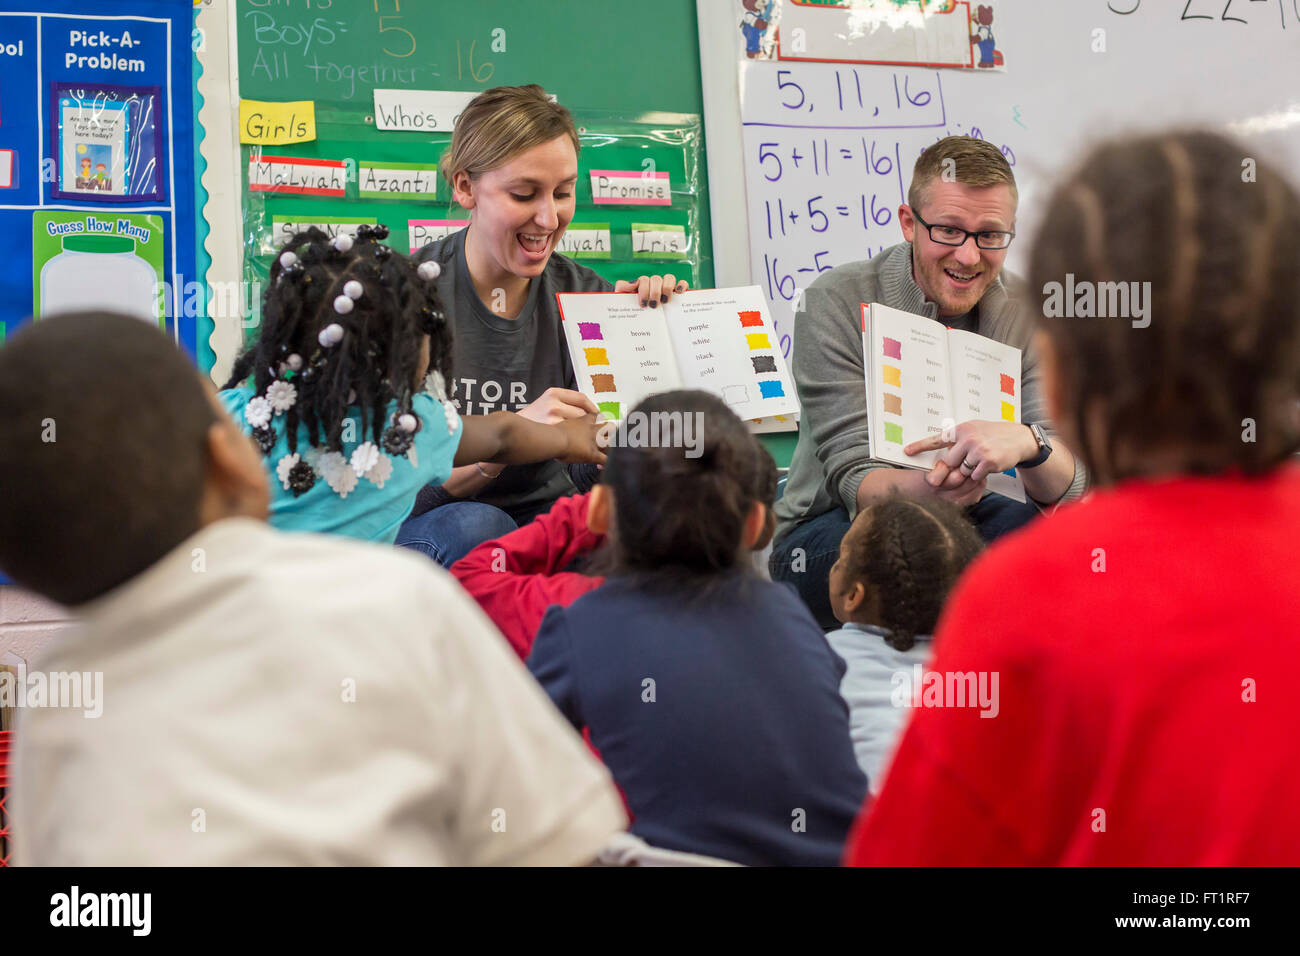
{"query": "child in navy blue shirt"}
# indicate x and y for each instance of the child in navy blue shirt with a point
(710, 693)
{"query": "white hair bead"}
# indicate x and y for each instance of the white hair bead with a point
(429, 271)
(288, 259)
(406, 422)
(294, 361)
(342, 242)
(332, 334)
(342, 305)
(353, 289)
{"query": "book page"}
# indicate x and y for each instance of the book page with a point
(621, 352)
(908, 385)
(725, 344)
(986, 387)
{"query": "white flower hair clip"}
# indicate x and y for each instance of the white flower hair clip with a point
(258, 412)
(282, 396)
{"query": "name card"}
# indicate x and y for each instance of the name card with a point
(420, 111)
(630, 188)
(658, 241)
(586, 240)
(397, 181)
(424, 231)
(298, 175)
(282, 230)
(276, 124)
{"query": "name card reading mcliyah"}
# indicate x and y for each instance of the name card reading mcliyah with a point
(297, 175)
(631, 187)
(397, 181)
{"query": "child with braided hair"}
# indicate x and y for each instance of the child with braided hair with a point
(352, 343)
(897, 563)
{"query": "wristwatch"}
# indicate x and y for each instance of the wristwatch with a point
(1044, 448)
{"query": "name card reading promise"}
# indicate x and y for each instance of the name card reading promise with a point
(630, 188)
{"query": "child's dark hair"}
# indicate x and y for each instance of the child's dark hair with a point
(1219, 250)
(680, 506)
(908, 553)
(378, 355)
(103, 452)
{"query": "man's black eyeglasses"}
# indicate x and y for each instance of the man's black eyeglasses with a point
(954, 236)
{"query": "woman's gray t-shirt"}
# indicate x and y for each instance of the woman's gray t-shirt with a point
(502, 364)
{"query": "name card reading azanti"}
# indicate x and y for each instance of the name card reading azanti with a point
(276, 124)
(298, 175)
(424, 231)
(397, 181)
(630, 187)
(419, 110)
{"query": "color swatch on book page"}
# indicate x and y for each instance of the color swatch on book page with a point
(891, 375)
(1008, 384)
(612, 409)
(893, 348)
(893, 403)
(590, 331)
(772, 389)
(603, 383)
(758, 340)
(596, 356)
(751, 320)
(894, 432)
(1008, 411)
(763, 363)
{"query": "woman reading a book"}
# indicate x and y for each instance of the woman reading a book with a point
(513, 162)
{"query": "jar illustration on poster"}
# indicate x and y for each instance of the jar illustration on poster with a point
(84, 261)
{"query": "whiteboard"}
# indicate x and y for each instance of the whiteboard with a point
(1076, 73)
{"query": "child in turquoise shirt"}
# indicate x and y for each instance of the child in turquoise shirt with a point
(352, 333)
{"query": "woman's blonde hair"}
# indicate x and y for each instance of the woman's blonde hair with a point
(500, 123)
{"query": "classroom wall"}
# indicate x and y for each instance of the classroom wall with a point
(27, 623)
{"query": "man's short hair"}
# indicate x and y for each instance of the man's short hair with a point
(103, 431)
(963, 159)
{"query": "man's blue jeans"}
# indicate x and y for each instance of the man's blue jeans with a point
(804, 557)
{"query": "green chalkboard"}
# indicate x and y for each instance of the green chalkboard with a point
(625, 58)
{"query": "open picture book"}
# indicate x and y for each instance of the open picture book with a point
(923, 378)
(715, 340)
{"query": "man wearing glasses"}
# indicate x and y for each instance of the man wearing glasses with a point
(958, 222)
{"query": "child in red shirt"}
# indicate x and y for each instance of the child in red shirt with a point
(1144, 641)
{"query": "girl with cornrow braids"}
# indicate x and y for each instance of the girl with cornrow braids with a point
(897, 564)
(1133, 637)
(344, 390)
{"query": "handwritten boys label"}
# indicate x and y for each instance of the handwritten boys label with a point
(276, 124)
(397, 181)
(658, 241)
(586, 240)
(297, 175)
(630, 187)
(424, 231)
